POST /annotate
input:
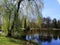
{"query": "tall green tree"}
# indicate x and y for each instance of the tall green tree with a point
(25, 11)
(58, 24)
(55, 23)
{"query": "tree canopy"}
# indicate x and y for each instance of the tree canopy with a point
(17, 13)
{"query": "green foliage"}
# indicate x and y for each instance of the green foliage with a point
(13, 18)
(10, 41)
(54, 23)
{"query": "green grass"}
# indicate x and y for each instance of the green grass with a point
(10, 41)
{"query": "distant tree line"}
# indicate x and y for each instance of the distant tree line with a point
(50, 23)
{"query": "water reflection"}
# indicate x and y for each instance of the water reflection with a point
(46, 40)
(55, 37)
(53, 42)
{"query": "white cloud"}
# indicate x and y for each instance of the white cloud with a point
(58, 1)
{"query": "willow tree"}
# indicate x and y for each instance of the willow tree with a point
(25, 12)
(5, 16)
(32, 11)
(29, 11)
(0, 16)
(8, 9)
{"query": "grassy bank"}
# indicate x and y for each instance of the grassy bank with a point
(10, 41)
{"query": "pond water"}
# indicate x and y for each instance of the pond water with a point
(52, 42)
(45, 40)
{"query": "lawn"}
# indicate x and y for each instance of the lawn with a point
(10, 41)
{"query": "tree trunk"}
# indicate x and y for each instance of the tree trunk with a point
(14, 21)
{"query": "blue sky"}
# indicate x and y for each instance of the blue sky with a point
(51, 9)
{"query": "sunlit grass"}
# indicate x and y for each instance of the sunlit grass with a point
(10, 41)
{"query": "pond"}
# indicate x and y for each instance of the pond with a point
(42, 40)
